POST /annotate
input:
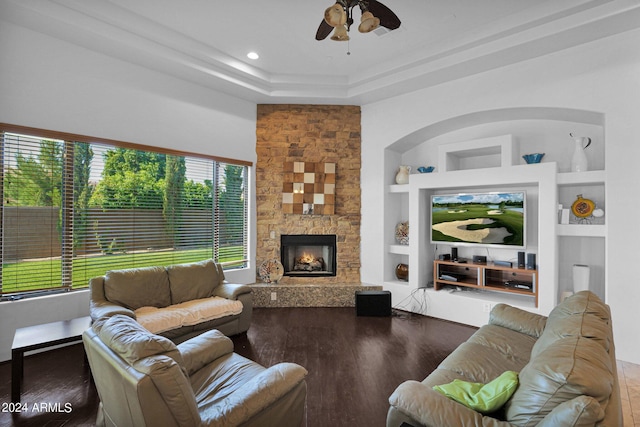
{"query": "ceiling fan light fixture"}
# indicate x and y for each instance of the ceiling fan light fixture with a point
(338, 19)
(340, 34)
(335, 16)
(368, 22)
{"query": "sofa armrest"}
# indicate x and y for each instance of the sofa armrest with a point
(108, 309)
(431, 408)
(99, 306)
(518, 320)
(256, 395)
(231, 290)
(204, 349)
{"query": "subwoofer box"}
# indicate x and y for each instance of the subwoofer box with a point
(373, 303)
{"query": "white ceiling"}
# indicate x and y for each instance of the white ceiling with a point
(206, 42)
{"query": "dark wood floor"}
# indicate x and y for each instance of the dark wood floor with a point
(354, 364)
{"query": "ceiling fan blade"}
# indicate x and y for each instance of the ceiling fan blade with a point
(323, 30)
(388, 19)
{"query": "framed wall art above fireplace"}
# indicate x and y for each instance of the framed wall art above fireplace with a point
(309, 188)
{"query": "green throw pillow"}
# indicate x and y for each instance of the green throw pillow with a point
(484, 398)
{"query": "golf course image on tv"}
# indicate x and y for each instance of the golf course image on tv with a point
(479, 219)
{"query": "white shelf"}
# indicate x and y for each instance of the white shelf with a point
(399, 188)
(582, 230)
(399, 249)
(597, 177)
(395, 283)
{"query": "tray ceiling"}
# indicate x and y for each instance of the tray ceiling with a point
(206, 42)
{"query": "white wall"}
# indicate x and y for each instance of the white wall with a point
(601, 76)
(46, 83)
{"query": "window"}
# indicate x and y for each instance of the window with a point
(72, 210)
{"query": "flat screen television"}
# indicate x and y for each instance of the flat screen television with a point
(480, 219)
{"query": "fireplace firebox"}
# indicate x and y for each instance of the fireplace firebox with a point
(308, 255)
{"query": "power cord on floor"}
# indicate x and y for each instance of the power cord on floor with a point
(419, 301)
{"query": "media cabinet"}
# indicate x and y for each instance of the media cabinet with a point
(486, 277)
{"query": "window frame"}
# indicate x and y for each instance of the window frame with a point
(66, 242)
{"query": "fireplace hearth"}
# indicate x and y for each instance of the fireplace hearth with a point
(308, 255)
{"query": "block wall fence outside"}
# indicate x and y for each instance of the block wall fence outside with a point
(311, 133)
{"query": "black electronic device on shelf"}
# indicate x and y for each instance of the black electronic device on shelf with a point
(516, 284)
(451, 277)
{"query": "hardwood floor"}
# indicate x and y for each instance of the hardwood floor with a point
(354, 364)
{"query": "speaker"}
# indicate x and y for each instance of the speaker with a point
(454, 254)
(521, 260)
(479, 259)
(373, 303)
(531, 261)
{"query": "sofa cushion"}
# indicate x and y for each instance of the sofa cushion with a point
(192, 281)
(582, 314)
(188, 313)
(138, 287)
(489, 352)
(131, 341)
(571, 358)
(484, 398)
(583, 411)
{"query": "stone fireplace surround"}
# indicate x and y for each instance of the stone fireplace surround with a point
(318, 133)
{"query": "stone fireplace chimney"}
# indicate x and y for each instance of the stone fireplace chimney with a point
(312, 133)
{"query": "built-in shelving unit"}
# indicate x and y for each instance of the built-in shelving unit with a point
(495, 163)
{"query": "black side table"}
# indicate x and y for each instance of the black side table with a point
(38, 337)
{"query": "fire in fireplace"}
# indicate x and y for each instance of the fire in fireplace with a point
(308, 255)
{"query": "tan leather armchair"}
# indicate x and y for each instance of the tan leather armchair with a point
(146, 380)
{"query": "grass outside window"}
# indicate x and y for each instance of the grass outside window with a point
(93, 266)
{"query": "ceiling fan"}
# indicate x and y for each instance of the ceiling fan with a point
(340, 17)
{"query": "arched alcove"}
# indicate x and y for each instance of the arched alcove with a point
(436, 129)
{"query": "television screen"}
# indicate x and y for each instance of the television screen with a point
(495, 219)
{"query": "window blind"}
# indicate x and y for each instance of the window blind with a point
(32, 220)
(74, 210)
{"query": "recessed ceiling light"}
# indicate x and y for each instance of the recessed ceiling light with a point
(253, 55)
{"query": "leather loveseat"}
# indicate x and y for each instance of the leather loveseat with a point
(145, 379)
(566, 366)
(178, 302)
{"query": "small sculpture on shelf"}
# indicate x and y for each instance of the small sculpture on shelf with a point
(583, 209)
(402, 233)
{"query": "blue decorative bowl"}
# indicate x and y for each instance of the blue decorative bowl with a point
(533, 158)
(428, 169)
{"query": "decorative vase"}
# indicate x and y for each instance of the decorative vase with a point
(579, 162)
(402, 272)
(402, 233)
(402, 177)
(581, 275)
(271, 271)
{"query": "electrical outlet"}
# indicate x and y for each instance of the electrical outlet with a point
(487, 307)
(274, 296)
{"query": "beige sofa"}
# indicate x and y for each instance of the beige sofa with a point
(144, 379)
(178, 302)
(566, 365)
